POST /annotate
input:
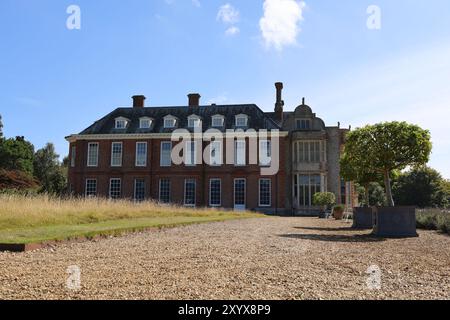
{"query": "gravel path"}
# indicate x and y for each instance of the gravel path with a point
(270, 258)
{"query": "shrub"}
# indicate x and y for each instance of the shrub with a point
(324, 199)
(434, 219)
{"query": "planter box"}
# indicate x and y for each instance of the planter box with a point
(394, 222)
(363, 218)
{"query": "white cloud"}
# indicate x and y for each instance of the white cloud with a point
(280, 23)
(228, 14)
(231, 31)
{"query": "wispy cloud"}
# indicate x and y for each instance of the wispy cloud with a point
(29, 102)
(280, 24)
(229, 16)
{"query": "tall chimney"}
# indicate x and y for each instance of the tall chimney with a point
(194, 99)
(279, 104)
(138, 101)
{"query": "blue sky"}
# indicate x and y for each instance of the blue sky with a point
(55, 81)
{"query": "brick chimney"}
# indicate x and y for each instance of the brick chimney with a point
(194, 99)
(279, 104)
(138, 101)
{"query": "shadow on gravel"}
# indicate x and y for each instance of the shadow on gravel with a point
(334, 237)
(326, 229)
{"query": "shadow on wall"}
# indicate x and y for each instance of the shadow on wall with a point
(334, 238)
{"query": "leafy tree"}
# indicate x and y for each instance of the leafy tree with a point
(325, 199)
(377, 196)
(17, 154)
(1, 127)
(390, 146)
(422, 187)
(48, 170)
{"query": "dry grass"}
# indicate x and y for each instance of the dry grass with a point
(25, 219)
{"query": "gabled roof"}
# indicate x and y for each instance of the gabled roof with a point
(257, 118)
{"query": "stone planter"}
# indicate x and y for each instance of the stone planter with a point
(394, 222)
(363, 218)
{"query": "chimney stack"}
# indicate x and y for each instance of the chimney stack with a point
(138, 101)
(194, 99)
(279, 102)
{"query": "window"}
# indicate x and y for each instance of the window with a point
(91, 188)
(304, 124)
(216, 153)
(309, 185)
(239, 193)
(241, 121)
(194, 122)
(169, 122)
(121, 123)
(343, 191)
(139, 189)
(217, 121)
(309, 151)
(141, 154)
(166, 154)
(265, 152)
(73, 156)
(164, 190)
(190, 158)
(189, 192)
(145, 123)
(265, 192)
(92, 157)
(215, 192)
(115, 188)
(116, 154)
(239, 153)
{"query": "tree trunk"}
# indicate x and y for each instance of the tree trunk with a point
(366, 190)
(387, 183)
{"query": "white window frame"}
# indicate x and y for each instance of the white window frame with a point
(120, 120)
(270, 193)
(86, 187)
(187, 158)
(220, 118)
(110, 187)
(73, 156)
(241, 117)
(170, 118)
(195, 191)
(112, 154)
(210, 192)
(145, 120)
(268, 156)
(218, 156)
(197, 122)
(237, 162)
(137, 164)
(89, 154)
(161, 162)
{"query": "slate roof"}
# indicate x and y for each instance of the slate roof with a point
(257, 119)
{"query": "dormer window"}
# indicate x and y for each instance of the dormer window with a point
(241, 120)
(194, 122)
(303, 124)
(218, 121)
(121, 123)
(145, 123)
(170, 122)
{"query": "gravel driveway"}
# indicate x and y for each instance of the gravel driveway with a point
(269, 258)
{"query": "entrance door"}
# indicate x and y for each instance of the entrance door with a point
(239, 194)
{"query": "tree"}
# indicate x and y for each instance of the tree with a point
(422, 187)
(355, 167)
(377, 196)
(325, 199)
(48, 170)
(17, 154)
(1, 127)
(391, 146)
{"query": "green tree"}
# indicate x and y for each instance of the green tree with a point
(391, 146)
(422, 187)
(49, 171)
(377, 196)
(17, 154)
(1, 127)
(325, 199)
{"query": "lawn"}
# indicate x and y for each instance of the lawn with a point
(43, 218)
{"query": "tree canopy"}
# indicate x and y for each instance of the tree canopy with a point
(17, 154)
(388, 146)
(48, 170)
